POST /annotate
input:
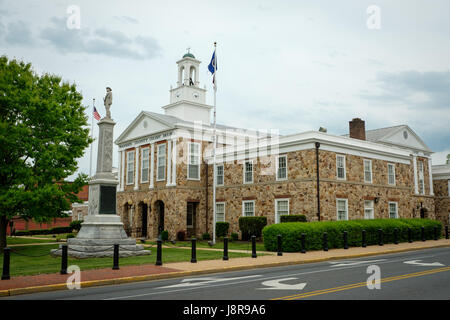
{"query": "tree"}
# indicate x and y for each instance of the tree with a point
(43, 130)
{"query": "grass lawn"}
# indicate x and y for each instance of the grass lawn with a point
(21, 265)
(235, 245)
(14, 240)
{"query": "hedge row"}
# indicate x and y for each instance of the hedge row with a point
(56, 230)
(291, 232)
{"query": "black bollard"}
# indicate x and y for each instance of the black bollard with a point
(279, 245)
(410, 235)
(225, 248)
(6, 261)
(116, 257)
(435, 233)
(395, 236)
(194, 250)
(303, 250)
(345, 240)
(380, 237)
(325, 241)
(422, 229)
(63, 259)
(253, 247)
(158, 252)
(446, 232)
(364, 244)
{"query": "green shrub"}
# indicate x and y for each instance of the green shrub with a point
(234, 236)
(252, 226)
(164, 235)
(55, 230)
(70, 235)
(206, 236)
(293, 218)
(291, 232)
(222, 229)
(76, 225)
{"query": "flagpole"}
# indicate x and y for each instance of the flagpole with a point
(214, 147)
(92, 136)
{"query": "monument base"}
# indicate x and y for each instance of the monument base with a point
(97, 237)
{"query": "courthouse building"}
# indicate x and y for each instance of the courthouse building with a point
(166, 170)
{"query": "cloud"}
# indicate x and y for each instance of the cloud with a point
(16, 33)
(99, 41)
(417, 89)
(127, 19)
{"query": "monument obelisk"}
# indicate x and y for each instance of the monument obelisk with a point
(102, 227)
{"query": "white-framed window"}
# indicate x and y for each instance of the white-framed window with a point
(282, 167)
(393, 210)
(161, 162)
(367, 171)
(220, 211)
(130, 167)
(340, 167)
(194, 161)
(421, 178)
(342, 209)
(248, 208)
(391, 174)
(219, 174)
(144, 164)
(80, 216)
(368, 209)
(281, 208)
(248, 171)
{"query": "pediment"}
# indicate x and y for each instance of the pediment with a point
(144, 124)
(405, 137)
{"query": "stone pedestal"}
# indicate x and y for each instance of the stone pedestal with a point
(102, 227)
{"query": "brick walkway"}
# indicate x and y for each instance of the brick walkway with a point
(88, 275)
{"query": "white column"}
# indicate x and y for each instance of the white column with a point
(174, 162)
(136, 165)
(416, 185)
(430, 177)
(169, 162)
(119, 168)
(122, 173)
(152, 165)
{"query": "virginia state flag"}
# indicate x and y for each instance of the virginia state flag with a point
(213, 64)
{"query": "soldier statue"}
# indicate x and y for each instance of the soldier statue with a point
(107, 100)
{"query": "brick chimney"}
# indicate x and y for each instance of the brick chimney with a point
(357, 129)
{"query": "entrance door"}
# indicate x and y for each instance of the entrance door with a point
(161, 217)
(190, 218)
(144, 220)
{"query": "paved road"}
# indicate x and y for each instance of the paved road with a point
(423, 274)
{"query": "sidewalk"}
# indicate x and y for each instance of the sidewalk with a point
(126, 274)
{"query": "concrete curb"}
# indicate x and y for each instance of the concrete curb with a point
(169, 275)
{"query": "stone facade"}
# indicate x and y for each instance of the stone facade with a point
(442, 199)
(299, 187)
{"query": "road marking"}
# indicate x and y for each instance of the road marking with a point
(203, 281)
(352, 263)
(425, 264)
(271, 277)
(276, 285)
(361, 284)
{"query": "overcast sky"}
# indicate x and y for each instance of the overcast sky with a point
(287, 65)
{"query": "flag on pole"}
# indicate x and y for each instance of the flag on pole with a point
(96, 114)
(212, 67)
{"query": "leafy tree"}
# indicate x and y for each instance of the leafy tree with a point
(43, 130)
